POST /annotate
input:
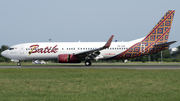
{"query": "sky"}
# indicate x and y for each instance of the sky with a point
(24, 21)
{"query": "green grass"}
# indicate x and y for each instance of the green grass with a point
(30, 84)
(93, 64)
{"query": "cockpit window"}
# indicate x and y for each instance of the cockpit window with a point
(11, 48)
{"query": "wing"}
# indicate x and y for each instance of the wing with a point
(90, 54)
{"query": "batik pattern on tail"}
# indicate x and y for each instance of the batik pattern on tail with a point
(158, 35)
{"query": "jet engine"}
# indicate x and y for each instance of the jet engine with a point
(68, 58)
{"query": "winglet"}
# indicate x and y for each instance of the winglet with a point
(107, 45)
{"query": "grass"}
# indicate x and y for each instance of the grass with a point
(32, 84)
(93, 64)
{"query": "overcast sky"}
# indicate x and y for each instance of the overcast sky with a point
(23, 21)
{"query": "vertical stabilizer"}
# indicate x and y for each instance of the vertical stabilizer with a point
(158, 35)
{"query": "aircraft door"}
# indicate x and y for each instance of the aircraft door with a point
(22, 50)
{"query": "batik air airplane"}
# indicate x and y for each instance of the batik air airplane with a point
(75, 52)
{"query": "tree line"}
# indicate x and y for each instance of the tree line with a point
(166, 56)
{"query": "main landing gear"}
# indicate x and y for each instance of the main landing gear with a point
(18, 64)
(88, 63)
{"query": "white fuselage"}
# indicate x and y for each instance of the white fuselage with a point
(51, 50)
(20, 51)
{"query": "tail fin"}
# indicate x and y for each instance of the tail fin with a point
(158, 35)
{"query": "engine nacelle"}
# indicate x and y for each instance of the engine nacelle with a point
(68, 58)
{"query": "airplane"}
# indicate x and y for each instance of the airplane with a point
(75, 52)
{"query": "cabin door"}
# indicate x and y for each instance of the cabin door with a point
(21, 49)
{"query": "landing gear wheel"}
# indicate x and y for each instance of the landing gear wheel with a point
(88, 63)
(19, 64)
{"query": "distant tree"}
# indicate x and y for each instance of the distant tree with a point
(154, 57)
(2, 59)
(157, 56)
(143, 58)
(166, 53)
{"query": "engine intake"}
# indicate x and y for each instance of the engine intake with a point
(68, 58)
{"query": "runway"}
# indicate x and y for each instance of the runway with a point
(99, 67)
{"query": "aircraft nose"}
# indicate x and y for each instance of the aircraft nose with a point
(3, 53)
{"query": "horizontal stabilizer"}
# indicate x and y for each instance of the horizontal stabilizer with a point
(165, 44)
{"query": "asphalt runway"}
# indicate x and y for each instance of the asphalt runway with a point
(99, 67)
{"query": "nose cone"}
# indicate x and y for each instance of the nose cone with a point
(4, 53)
